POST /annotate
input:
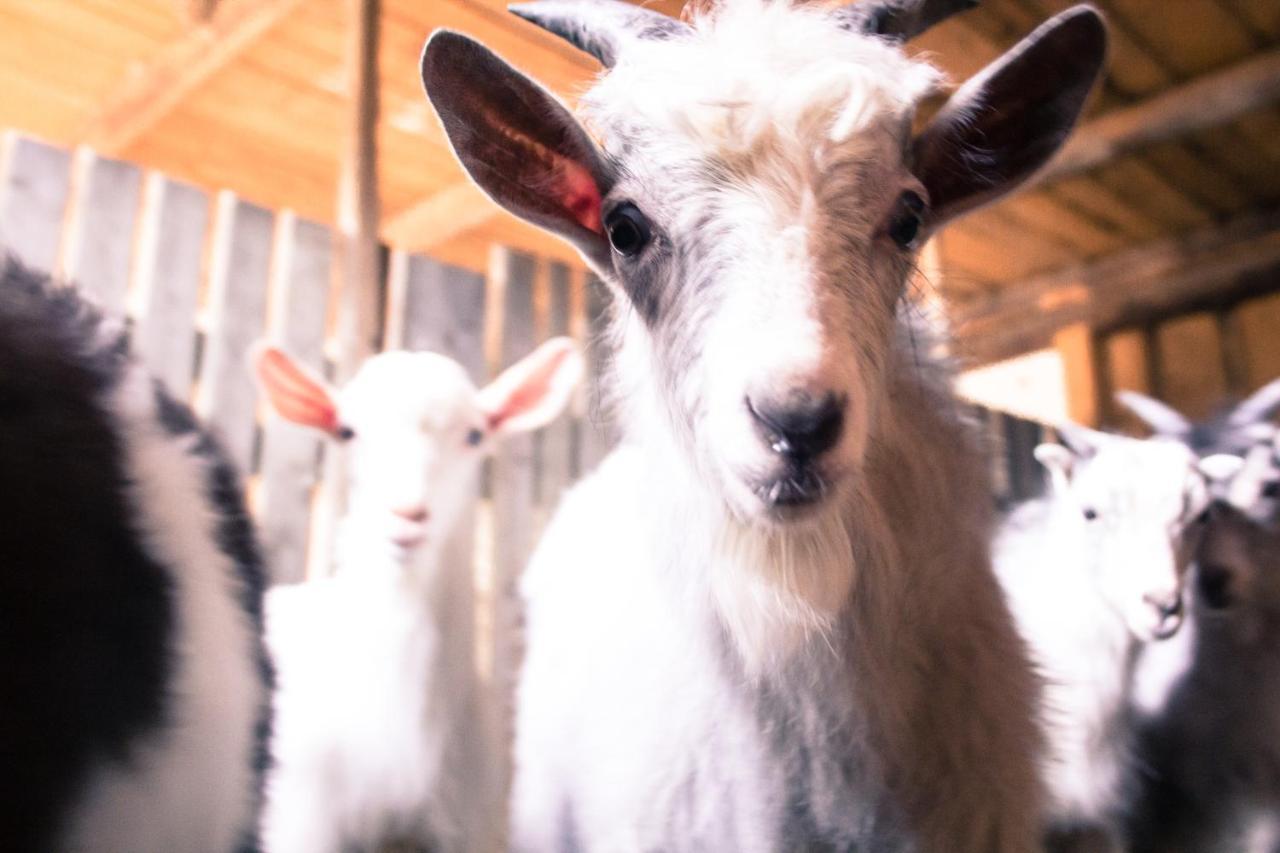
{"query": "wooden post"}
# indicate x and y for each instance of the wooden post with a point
(358, 203)
(1128, 361)
(1079, 364)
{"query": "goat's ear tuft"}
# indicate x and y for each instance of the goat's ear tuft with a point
(1058, 460)
(1012, 117)
(532, 392)
(518, 143)
(295, 394)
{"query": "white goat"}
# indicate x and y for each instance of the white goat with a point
(768, 621)
(382, 733)
(135, 681)
(1093, 571)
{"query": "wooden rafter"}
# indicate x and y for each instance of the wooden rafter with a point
(148, 95)
(1207, 101)
(440, 217)
(1137, 282)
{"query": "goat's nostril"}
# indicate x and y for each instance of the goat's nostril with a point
(800, 428)
(414, 512)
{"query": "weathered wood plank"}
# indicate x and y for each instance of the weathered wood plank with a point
(1192, 378)
(1079, 361)
(1257, 322)
(1025, 475)
(1128, 369)
(108, 209)
(237, 313)
(169, 283)
(512, 485)
(33, 201)
(444, 312)
(290, 454)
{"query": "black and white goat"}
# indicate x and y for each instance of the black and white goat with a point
(134, 678)
(768, 621)
(1210, 736)
(1093, 572)
(383, 733)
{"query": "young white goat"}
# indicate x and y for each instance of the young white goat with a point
(1092, 572)
(768, 621)
(134, 679)
(382, 731)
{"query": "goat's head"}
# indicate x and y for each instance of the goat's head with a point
(1237, 572)
(416, 429)
(1129, 504)
(751, 189)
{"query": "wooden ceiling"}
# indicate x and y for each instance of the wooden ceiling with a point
(1181, 145)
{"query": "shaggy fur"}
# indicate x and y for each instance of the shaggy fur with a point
(1084, 593)
(383, 734)
(711, 667)
(132, 657)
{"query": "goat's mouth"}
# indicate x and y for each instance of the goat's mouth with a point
(795, 493)
(408, 534)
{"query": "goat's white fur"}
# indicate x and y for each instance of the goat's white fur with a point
(382, 728)
(190, 785)
(1082, 592)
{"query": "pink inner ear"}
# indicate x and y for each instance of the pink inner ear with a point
(579, 195)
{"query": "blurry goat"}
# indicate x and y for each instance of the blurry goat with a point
(1093, 571)
(382, 731)
(135, 683)
(1210, 743)
(768, 621)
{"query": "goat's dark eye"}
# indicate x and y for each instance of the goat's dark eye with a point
(474, 437)
(908, 215)
(344, 433)
(1090, 514)
(628, 229)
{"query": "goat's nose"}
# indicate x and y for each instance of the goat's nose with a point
(412, 512)
(802, 427)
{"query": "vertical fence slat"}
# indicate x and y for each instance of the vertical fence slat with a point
(512, 486)
(1197, 384)
(33, 201)
(166, 335)
(444, 312)
(556, 449)
(289, 469)
(1127, 362)
(1025, 474)
(237, 314)
(1257, 322)
(100, 263)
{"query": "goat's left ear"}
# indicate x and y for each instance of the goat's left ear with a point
(1008, 120)
(532, 392)
(517, 142)
(1058, 461)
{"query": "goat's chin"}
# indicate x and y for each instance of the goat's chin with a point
(1148, 625)
(782, 499)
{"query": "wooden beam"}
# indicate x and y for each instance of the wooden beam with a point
(1207, 101)
(1124, 286)
(145, 97)
(358, 202)
(1078, 351)
(439, 218)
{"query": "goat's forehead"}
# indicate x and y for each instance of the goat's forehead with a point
(1153, 470)
(420, 387)
(759, 72)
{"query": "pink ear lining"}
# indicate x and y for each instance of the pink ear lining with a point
(579, 196)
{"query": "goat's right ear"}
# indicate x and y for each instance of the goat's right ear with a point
(294, 393)
(518, 142)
